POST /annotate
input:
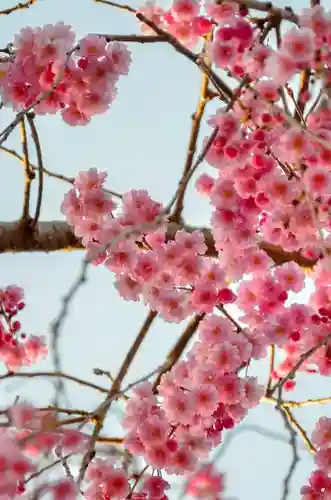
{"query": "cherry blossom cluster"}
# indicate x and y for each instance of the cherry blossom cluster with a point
(176, 425)
(271, 186)
(206, 482)
(304, 47)
(254, 197)
(54, 75)
(173, 277)
(32, 433)
(16, 347)
(236, 44)
(272, 182)
(176, 279)
(319, 484)
(17, 467)
(189, 20)
(294, 328)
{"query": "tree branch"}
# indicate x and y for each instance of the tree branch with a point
(19, 6)
(35, 138)
(57, 235)
(47, 237)
(28, 175)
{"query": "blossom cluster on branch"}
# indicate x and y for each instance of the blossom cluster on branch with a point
(271, 186)
(17, 348)
(52, 74)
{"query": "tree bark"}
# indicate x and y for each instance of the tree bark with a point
(53, 236)
(47, 237)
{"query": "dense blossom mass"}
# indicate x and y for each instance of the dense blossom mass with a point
(270, 199)
(52, 74)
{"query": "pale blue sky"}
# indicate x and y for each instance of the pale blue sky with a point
(141, 142)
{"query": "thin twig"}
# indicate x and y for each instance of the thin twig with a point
(79, 282)
(307, 402)
(11, 375)
(186, 179)
(178, 349)
(300, 429)
(223, 89)
(44, 95)
(60, 177)
(46, 468)
(20, 6)
(291, 374)
(28, 174)
(132, 38)
(57, 324)
(196, 123)
(35, 138)
(295, 455)
(271, 367)
(117, 5)
(102, 410)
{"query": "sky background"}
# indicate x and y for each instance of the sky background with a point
(141, 142)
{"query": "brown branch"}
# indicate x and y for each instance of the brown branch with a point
(271, 368)
(46, 468)
(133, 38)
(28, 175)
(303, 89)
(114, 441)
(192, 146)
(287, 405)
(116, 386)
(35, 138)
(295, 455)
(58, 235)
(178, 349)
(307, 402)
(291, 374)
(189, 174)
(127, 8)
(223, 89)
(115, 389)
(47, 237)
(12, 375)
(57, 324)
(5, 133)
(66, 411)
(287, 13)
(295, 424)
(279, 42)
(60, 177)
(19, 6)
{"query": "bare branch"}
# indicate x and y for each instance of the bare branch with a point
(35, 138)
(133, 38)
(196, 122)
(19, 6)
(12, 375)
(60, 177)
(295, 455)
(102, 411)
(178, 349)
(28, 175)
(291, 374)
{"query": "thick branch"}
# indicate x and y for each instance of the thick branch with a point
(51, 236)
(48, 237)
